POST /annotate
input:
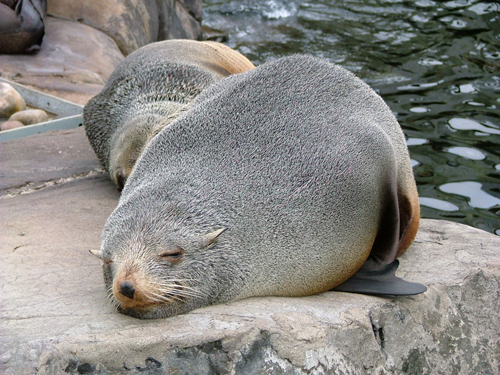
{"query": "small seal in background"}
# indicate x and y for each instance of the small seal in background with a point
(286, 180)
(147, 91)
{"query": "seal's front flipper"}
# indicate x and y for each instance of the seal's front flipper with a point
(379, 279)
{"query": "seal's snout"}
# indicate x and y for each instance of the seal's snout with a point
(127, 289)
(120, 179)
(131, 290)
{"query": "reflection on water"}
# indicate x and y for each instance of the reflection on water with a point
(468, 124)
(472, 190)
(467, 152)
(436, 64)
(438, 204)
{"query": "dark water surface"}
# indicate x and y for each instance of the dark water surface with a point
(436, 64)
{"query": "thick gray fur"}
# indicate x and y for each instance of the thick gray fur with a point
(149, 89)
(296, 158)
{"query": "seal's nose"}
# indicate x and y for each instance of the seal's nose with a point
(127, 289)
(120, 179)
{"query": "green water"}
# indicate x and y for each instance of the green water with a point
(436, 64)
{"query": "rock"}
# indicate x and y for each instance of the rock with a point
(209, 33)
(10, 100)
(8, 125)
(28, 163)
(113, 17)
(30, 116)
(453, 328)
(74, 62)
(194, 7)
(184, 25)
(76, 58)
(153, 20)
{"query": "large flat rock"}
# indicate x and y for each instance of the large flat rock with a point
(54, 317)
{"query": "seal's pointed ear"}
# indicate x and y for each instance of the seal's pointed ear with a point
(210, 238)
(97, 253)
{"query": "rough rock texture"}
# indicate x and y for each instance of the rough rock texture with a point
(74, 62)
(34, 162)
(194, 8)
(134, 23)
(54, 317)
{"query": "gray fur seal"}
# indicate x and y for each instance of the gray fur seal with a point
(148, 90)
(281, 181)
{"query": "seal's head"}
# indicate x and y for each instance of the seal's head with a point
(127, 147)
(159, 271)
(129, 141)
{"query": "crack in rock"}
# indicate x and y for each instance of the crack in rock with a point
(32, 187)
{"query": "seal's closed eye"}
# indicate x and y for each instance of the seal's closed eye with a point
(173, 255)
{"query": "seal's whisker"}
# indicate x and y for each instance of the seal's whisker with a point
(154, 297)
(180, 294)
(180, 290)
(111, 298)
(162, 298)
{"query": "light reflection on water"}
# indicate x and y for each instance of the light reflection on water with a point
(438, 204)
(467, 152)
(472, 190)
(435, 63)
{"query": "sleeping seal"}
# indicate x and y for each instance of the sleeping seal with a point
(148, 90)
(281, 181)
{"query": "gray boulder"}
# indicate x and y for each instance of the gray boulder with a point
(54, 317)
(184, 25)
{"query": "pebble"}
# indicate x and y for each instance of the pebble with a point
(7, 125)
(30, 116)
(10, 100)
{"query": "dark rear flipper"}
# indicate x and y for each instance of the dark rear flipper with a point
(379, 279)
